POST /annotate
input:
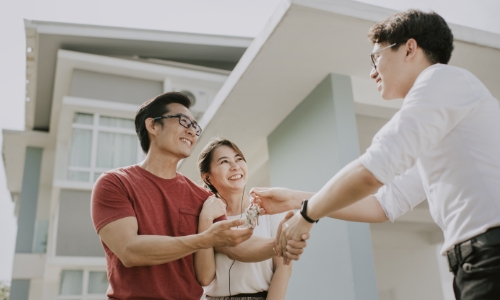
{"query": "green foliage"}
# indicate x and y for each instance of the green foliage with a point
(4, 291)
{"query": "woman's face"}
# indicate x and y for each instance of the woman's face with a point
(228, 170)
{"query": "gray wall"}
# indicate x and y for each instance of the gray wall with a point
(75, 232)
(19, 289)
(314, 142)
(28, 200)
(101, 86)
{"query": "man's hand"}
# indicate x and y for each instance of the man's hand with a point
(213, 208)
(222, 234)
(294, 248)
(275, 200)
(294, 231)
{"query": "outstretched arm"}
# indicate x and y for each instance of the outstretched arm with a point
(147, 250)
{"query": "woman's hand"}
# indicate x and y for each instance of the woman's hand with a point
(213, 208)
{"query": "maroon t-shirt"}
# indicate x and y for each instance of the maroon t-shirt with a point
(168, 207)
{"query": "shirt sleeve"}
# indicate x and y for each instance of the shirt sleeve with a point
(402, 194)
(109, 201)
(439, 100)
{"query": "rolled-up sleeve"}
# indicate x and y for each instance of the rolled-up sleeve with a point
(402, 195)
(435, 105)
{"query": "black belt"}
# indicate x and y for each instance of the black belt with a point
(259, 294)
(461, 251)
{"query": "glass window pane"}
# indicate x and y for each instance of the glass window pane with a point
(78, 176)
(81, 143)
(83, 119)
(71, 282)
(116, 150)
(116, 122)
(98, 283)
(97, 175)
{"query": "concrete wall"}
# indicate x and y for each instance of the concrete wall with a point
(75, 233)
(101, 86)
(314, 142)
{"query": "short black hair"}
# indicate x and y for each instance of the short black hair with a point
(156, 107)
(429, 30)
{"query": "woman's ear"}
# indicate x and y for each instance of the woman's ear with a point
(206, 179)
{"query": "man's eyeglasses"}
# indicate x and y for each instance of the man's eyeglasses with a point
(184, 121)
(374, 56)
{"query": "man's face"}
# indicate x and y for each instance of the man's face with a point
(389, 73)
(173, 138)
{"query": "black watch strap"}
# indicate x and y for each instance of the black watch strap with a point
(303, 212)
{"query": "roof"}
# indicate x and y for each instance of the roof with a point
(44, 39)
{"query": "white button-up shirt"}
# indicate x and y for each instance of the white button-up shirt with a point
(443, 145)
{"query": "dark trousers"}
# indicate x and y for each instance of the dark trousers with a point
(477, 271)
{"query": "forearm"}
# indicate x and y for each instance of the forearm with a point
(149, 250)
(254, 249)
(299, 196)
(204, 260)
(353, 183)
(279, 282)
(366, 210)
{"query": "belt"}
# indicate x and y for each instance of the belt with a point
(461, 251)
(259, 294)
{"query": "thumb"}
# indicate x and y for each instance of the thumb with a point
(260, 192)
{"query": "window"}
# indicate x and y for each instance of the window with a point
(83, 285)
(100, 143)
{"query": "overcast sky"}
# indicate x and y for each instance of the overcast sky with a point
(224, 17)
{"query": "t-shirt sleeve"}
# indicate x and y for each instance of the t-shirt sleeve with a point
(440, 99)
(275, 221)
(110, 201)
(402, 194)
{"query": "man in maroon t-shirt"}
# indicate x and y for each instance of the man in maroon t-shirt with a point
(146, 215)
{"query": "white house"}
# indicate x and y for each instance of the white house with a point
(84, 85)
(297, 100)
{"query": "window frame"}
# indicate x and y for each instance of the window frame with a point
(85, 285)
(96, 128)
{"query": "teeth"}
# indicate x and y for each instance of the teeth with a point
(186, 141)
(236, 176)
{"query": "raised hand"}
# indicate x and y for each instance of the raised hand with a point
(294, 231)
(275, 200)
(222, 234)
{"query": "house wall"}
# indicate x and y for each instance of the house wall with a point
(101, 86)
(316, 140)
(75, 232)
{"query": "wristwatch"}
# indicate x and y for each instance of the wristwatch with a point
(303, 212)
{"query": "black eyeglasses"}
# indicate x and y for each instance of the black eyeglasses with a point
(184, 121)
(374, 55)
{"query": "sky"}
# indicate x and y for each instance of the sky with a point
(223, 17)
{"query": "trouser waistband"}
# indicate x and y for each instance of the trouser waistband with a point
(462, 250)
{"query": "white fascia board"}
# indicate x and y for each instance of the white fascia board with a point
(142, 70)
(377, 14)
(28, 266)
(77, 261)
(136, 34)
(244, 63)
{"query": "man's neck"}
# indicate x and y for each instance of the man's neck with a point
(161, 165)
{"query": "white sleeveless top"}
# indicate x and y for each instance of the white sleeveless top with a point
(244, 277)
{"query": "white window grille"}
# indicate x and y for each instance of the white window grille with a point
(101, 143)
(83, 285)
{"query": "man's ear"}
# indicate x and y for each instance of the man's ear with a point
(150, 125)
(411, 49)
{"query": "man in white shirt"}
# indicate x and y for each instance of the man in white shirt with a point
(443, 146)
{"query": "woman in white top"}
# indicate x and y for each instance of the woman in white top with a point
(224, 171)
